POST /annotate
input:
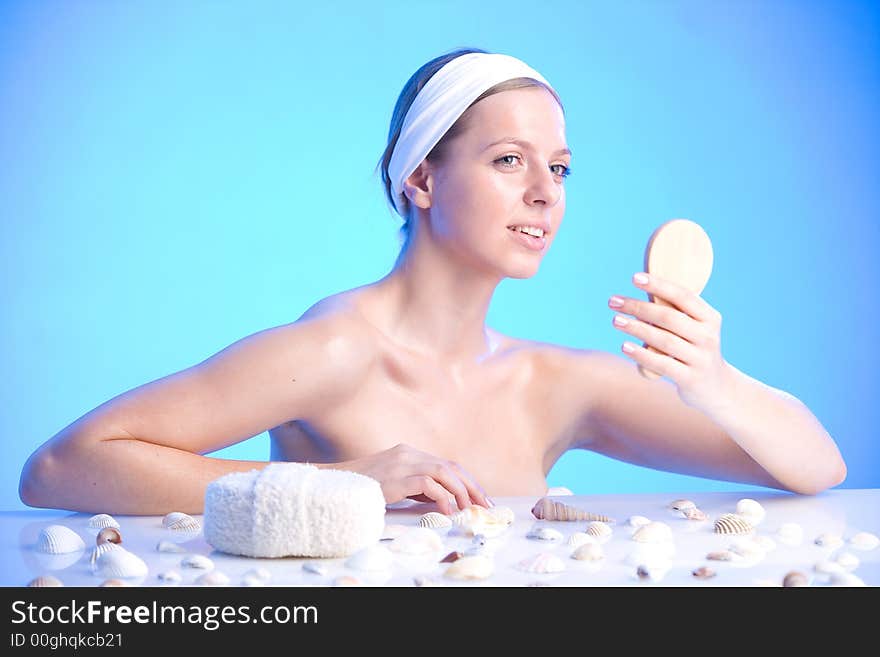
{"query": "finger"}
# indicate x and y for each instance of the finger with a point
(682, 298)
(659, 363)
(448, 478)
(671, 319)
(658, 338)
(475, 491)
(424, 484)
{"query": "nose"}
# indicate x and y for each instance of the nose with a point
(542, 188)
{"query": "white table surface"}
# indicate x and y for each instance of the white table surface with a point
(841, 512)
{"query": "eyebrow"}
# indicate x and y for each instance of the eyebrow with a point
(524, 144)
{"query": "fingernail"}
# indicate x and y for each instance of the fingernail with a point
(620, 320)
(489, 500)
(640, 279)
(615, 302)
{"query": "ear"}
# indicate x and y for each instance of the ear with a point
(419, 186)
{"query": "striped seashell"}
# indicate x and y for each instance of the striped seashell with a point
(503, 514)
(108, 535)
(588, 552)
(703, 572)
(477, 566)
(170, 576)
(169, 547)
(579, 538)
(181, 522)
(730, 523)
(544, 534)
(120, 563)
(829, 540)
(790, 533)
(864, 541)
(212, 578)
(543, 562)
(99, 550)
(847, 560)
(371, 558)
(845, 579)
(653, 532)
(45, 580)
(599, 529)
(634, 522)
(58, 539)
(347, 580)
(315, 568)
(435, 520)
(547, 509)
(198, 561)
(102, 520)
(795, 578)
(751, 510)
(113, 581)
(392, 531)
(418, 540)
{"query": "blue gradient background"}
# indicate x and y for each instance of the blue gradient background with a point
(175, 176)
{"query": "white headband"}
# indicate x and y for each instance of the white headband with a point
(443, 99)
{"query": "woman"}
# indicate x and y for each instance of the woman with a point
(402, 380)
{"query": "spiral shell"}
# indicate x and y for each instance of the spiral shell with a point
(108, 535)
(181, 522)
(731, 523)
(653, 532)
(45, 580)
(58, 539)
(199, 561)
(864, 541)
(588, 552)
(547, 509)
(120, 563)
(751, 510)
(543, 562)
(599, 529)
(102, 520)
(435, 520)
(477, 566)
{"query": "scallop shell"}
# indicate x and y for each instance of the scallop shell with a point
(847, 560)
(181, 522)
(829, 540)
(171, 576)
(121, 563)
(477, 566)
(435, 520)
(371, 558)
(751, 510)
(102, 520)
(545, 534)
(58, 539)
(790, 533)
(108, 535)
(212, 578)
(653, 532)
(703, 572)
(845, 579)
(418, 540)
(864, 541)
(547, 509)
(99, 550)
(731, 523)
(588, 552)
(795, 578)
(314, 568)
(579, 538)
(599, 529)
(543, 562)
(169, 546)
(45, 580)
(637, 521)
(199, 561)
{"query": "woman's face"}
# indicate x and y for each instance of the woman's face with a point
(483, 188)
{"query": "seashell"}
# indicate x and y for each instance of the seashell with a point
(181, 522)
(588, 552)
(653, 532)
(476, 519)
(120, 563)
(637, 521)
(45, 580)
(314, 568)
(847, 560)
(347, 580)
(790, 533)
(108, 535)
(703, 572)
(827, 568)
(845, 579)
(730, 523)
(113, 581)
(435, 520)
(371, 558)
(751, 511)
(392, 531)
(579, 538)
(864, 541)
(543, 562)
(102, 520)
(829, 540)
(504, 514)
(547, 509)
(169, 546)
(600, 530)
(452, 556)
(199, 561)
(650, 572)
(99, 550)
(418, 540)
(477, 566)
(695, 514)
(721, 555)
(171, 576)
(680, 507)
(58, 539)
(259, 573)
(558, 491)
(544, 534)
(212, 578)
(421, 580)
(795, 578)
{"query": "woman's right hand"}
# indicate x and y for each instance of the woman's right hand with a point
(406, 472)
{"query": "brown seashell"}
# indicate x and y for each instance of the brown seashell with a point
(795, 578)
(108, 535)
(730, 523)
(452, 556)
(547, 509)
(703, 572)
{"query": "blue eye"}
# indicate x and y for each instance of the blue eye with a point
(566, 171)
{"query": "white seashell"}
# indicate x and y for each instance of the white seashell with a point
(477, 519)
(181, 522)
(259, 573)
(731, 523)
(169, 546)
(199, 561)
(847, 560)
(790, 533)
(120, 563)
(347, 580)
(845, 579)
(477, 566)
(171, 576)
(314, 567)
(829, 540)
(548, 509)
(579, 538)
(864, 541)
(102, 520)
(435, 520)
(58, 539)
(680, 507)
(588, 552)
(827, 568)
(418, 540)
(600, 530)
(504, 514)
(543, 562)
(751, 510)
(99, 550)
(392, 531)
(45, 580)
(371, 558)
(212, 578)
(653, 532)
(544, 534)
(637, 521)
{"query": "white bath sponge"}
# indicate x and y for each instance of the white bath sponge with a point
(293, 510)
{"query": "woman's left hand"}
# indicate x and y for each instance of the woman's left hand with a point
(689, 335)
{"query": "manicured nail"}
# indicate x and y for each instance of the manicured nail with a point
(615, 302)
(640, 279)
(628, 348)
(620, 320)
